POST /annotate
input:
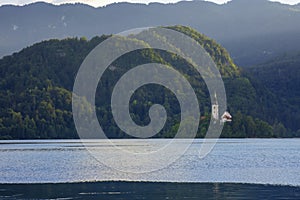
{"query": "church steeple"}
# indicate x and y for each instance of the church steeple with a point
(215, 108)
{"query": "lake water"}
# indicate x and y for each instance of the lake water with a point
(255, 161)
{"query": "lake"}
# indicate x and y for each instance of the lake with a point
(235, 167)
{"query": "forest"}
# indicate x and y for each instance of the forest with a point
(36, 92)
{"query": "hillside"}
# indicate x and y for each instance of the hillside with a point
(252, 31)
(36, 85)
(281, 76)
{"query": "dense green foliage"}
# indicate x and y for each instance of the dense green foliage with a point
(36, 85)
(281, 77)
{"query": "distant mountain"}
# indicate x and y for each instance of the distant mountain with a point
(252, 31)
(36, 85)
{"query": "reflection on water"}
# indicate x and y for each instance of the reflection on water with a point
(260, 161)
(143, 190)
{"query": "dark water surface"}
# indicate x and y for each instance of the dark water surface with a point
(144, 190)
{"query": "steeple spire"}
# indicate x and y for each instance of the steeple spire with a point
(215, 108)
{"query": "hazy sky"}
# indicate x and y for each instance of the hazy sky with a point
(98, 3)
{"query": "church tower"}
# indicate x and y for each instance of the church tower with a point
(215, 108)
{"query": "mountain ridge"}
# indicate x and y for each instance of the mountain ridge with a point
(235, 25)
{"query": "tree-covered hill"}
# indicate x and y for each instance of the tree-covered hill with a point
(281, 76)
(36, 92)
